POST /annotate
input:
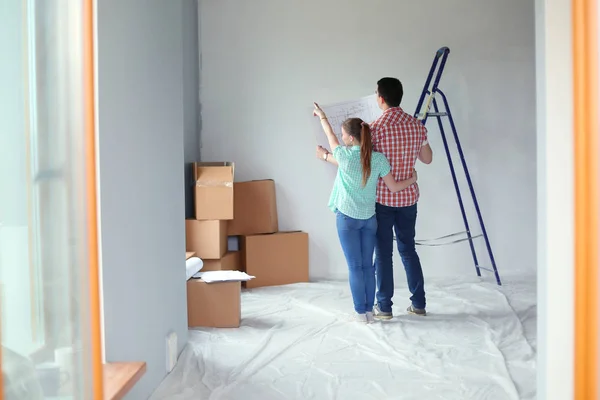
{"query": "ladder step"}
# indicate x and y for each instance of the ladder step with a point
(485, 269)
(444, 237)
(433, 114)
(428, 242)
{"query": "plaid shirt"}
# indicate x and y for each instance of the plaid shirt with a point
(399, 136)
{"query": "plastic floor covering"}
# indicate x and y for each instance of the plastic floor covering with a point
(299, 342)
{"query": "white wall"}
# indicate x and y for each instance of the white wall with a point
(555, 199)
(141, 138)
(265, 61)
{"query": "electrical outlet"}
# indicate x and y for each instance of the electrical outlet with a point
(171, 346)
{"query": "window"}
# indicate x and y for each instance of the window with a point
(20, 290)
(43, 245)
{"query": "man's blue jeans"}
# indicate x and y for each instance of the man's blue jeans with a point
(357, 237)
(402, 220)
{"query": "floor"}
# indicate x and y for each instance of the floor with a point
(298, 342)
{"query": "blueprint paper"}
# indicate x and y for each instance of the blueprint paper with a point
(365, 108)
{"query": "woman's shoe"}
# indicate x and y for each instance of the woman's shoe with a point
(362, 318)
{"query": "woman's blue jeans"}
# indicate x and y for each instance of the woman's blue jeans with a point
(358, 237)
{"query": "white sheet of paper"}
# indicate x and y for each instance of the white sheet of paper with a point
(223, 276)
(365, 108)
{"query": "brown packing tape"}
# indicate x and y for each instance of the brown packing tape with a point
(214, 184)
(214, 164)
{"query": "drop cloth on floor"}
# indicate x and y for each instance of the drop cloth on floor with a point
(298, 342)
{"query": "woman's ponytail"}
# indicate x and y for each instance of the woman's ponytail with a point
(366, 151)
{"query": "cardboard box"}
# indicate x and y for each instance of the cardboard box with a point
(255, 208)
(189, 254)
(230, 262)
(216, 305)
(275, 259)
(208, 239)
(213, 191)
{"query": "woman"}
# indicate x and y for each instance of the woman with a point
(353, 200)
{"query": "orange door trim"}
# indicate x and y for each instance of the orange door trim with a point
(90, 183)
(585, 99)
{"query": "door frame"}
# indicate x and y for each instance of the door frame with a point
(585, 134)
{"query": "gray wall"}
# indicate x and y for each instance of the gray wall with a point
(191, 120)
(145, 76)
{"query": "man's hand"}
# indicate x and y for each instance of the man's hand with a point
(414, 175)
(318, 112)
(321, 151)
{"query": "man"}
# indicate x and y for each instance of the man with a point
(403, 140)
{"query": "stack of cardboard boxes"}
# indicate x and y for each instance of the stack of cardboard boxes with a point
(246, 213)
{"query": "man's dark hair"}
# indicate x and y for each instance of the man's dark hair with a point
(390, 89)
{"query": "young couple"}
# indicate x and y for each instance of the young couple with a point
(375, 193)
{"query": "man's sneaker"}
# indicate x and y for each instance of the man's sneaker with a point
(370, 317)
(362, 318)
(416, 311)
(378, 314)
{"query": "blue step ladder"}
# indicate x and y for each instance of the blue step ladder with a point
(428, 97)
